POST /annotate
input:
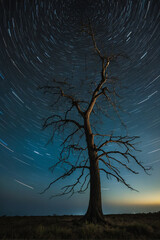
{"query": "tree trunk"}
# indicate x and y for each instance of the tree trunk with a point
(94, 213)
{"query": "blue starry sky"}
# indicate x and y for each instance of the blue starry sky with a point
(40, 40)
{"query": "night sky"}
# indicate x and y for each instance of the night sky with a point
(42, 40)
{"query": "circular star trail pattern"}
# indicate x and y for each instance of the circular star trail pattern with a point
(40, 40)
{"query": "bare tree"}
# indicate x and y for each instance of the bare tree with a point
(83, 149)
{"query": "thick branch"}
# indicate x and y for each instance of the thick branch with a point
(124, 165)
(66, 174)
(126, 141)
(119, 178)
(61, 92)
(61, 120)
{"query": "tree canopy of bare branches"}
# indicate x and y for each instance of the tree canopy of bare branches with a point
(84, 149)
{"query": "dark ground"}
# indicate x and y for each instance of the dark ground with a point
(124, 226)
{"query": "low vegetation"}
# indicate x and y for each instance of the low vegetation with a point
(124, 226)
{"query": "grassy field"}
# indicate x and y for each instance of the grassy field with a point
(124, 226)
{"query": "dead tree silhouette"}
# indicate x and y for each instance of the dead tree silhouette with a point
(82, 139)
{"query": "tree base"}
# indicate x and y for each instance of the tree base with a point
(100, 220)
(93, 220)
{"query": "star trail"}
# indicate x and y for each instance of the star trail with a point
(42, 40)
